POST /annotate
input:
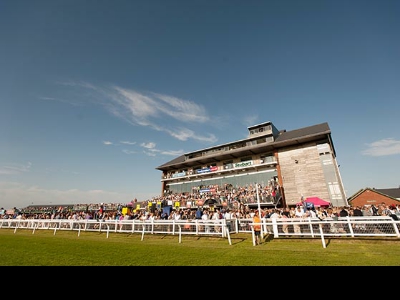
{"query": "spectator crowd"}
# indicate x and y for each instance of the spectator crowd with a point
(227, 202)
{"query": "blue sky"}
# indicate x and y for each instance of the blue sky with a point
(95, 94)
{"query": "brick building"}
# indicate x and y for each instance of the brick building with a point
(369, 196)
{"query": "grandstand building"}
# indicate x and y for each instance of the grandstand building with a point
(287, 165)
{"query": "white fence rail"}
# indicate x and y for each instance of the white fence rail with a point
(330, 227)
(282, 227)
(173, 227)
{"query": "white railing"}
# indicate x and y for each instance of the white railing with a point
(173, 227)
(330, 227)
(281, 227)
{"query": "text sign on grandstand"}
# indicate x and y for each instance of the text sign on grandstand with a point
(206, 170)
(243, 164)
(178, 174)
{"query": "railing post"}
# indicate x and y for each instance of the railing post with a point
(322, 235)
(396, 229)
(275, 227)
(143, 226)
(253, 236)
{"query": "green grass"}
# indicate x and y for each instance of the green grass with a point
(66, 248)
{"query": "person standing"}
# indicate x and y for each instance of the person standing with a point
(357, 212)
(205, 218)
(299, 214)
(285, 215)
(257, 227)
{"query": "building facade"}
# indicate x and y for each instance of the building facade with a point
(283, 165)
(372, 196)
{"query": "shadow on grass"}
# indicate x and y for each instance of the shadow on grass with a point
(267, 238)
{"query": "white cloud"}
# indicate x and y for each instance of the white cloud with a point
(182, 110)
(128, 151)
(71, 102)
(157, 111)
(250, 120)
(14, 169)
(127, 143)
(151, 150)
(149, 153)
(154, 109)
(173, 153)
(148, 145)
(383, 147)
(138, 105)
(183, 134)
(14, 194)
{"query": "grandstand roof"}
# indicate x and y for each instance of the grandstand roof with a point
(284, 139)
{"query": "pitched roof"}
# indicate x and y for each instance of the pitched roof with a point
(285, 139)
(393, 193)
(304, 132)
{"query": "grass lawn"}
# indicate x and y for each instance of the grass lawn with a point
(66, 248)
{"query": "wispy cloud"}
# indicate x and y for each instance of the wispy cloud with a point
(148, 145)
(153, 110)
(383, 147)
(250, 120)
(71, 102)
(183, 134)
(18, 194)
(57, 170)
(14, 169)
(127, 143)
(151, 150)
(173, 153)
(182, 110)
(78, 84)
(149, 153)
(108, 143)
(128, 151)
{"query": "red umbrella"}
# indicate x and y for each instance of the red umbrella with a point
(316, 201)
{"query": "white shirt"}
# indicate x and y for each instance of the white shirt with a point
(177, 216)
(299, 213)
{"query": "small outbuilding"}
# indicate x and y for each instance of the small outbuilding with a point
(372, 196)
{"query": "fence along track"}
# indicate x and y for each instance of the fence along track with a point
(283, 227)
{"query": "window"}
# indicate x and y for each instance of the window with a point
(228, 164)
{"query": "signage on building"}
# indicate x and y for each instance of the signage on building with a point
(178, 174)
(207, 170)
(243, 164)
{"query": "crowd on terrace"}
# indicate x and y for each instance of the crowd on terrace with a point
(227, 202)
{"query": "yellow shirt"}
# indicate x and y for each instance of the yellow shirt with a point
(257, 223)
